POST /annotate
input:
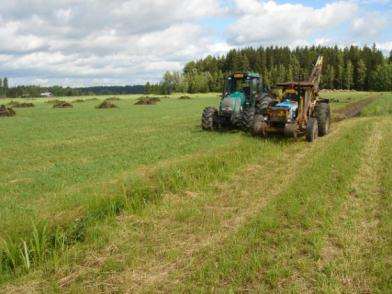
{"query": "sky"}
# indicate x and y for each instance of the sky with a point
(120, 42)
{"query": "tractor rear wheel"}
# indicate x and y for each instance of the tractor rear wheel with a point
(290, 130)
(323, 114)
(312, 129)
(259, 127)
(209, 119)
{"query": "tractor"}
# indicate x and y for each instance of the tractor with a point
(299, 111)
(237, 104)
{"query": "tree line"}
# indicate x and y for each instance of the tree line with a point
(358, 68)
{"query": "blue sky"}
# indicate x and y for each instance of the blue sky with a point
(80, 43)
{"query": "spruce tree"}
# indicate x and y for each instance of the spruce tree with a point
(348, 76)
(361, 75)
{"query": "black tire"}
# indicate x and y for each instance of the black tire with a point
(209, 119)
(259, 127)
(263, 103)
(323, 114)
(291, 130)
(247, 118)
(312, 129)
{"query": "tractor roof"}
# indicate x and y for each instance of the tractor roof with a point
(242, 74)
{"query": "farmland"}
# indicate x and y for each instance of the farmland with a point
(139, 198)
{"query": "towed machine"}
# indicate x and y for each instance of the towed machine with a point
(299, 111)
(237, 105)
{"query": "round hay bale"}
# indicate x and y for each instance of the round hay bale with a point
(6, 111)
(106, 104)
(147, 101)
(62, 104)
(12, 103)
(21, 104)
(184, 97)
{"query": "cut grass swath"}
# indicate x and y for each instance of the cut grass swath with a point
(193, 173)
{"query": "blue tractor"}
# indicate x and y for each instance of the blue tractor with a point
(237, 106)
(300, 111)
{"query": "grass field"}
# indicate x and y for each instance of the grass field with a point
(138, 198)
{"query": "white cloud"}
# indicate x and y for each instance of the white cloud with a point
(369, 25)
(270, 22)
(116, 41)
(81, 42)
(385, 46)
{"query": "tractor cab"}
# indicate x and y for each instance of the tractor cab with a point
(240, 92)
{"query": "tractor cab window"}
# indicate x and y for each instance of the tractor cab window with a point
(291, 95)
(237, 85)
(241, 85)
(230, 85)
(254, 86)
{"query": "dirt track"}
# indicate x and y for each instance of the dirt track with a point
(353, 109)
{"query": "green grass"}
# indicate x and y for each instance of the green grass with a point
(287, 236)
(383, 106)
(340, 99)
(115, 192)
(62, 165)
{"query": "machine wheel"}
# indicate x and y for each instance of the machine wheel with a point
(247, 118)
(259, 126)
(312, 129)
(291, 130)
(263, 103)
(209, 119)
(323, 114)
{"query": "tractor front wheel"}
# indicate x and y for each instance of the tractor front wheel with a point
(312, 130)
(291, 130)
(209, 119)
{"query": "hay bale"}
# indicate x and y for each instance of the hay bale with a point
(17, 104)
(147, 101)
(113, 99)
(184, 97)
(62, 104)
(6, 111)
(106, 104)
(12, 103)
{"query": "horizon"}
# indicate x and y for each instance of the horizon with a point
(124, 43)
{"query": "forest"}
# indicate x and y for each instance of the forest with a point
(352, 68)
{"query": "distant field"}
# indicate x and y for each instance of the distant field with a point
(139, 198)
